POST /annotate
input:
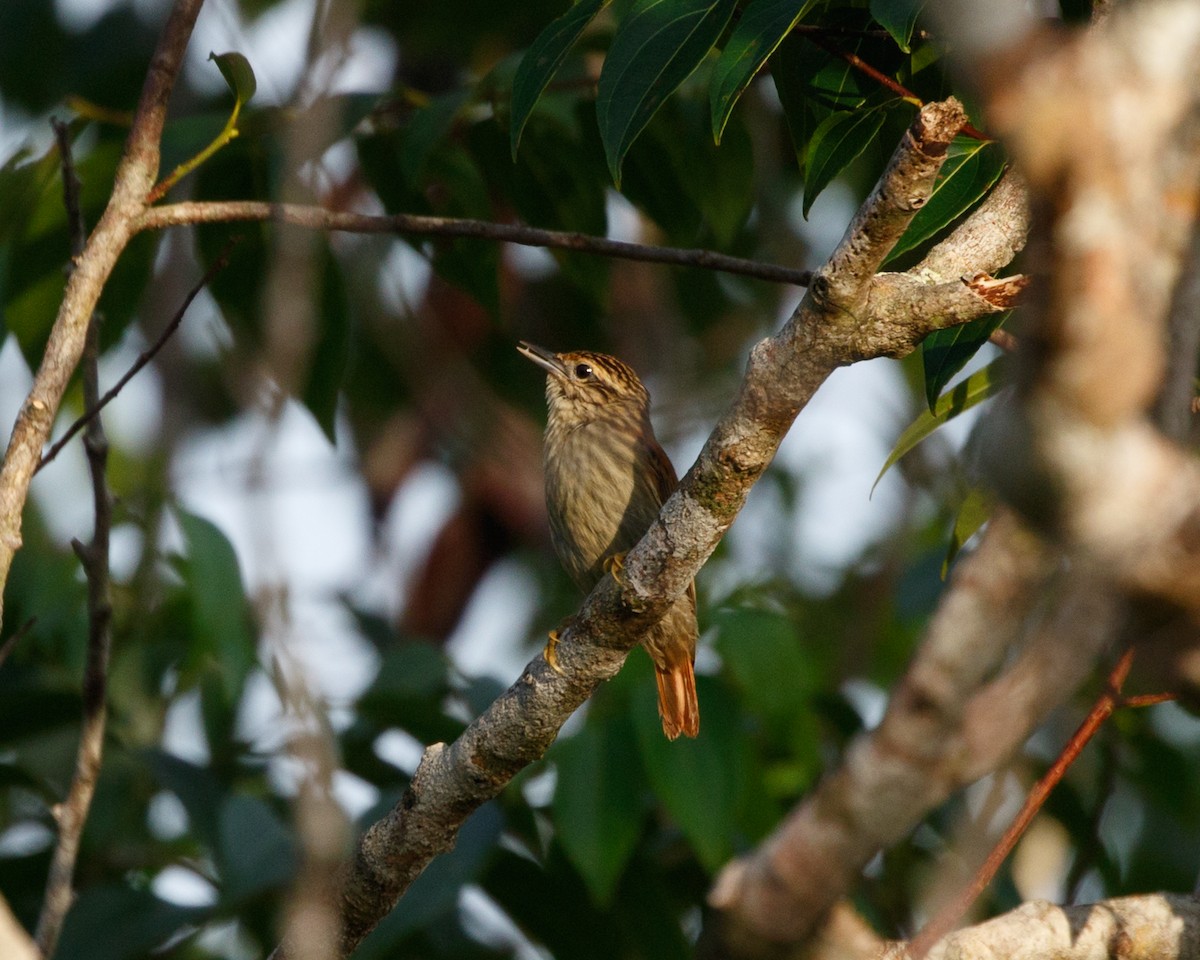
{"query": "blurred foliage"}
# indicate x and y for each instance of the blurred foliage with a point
(607, 846)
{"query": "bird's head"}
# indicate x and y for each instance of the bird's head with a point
(582, 385)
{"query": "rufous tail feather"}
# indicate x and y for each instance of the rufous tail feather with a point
(677, 703)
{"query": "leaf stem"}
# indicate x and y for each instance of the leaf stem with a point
(228, 133)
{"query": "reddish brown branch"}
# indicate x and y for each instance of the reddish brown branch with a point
(948, 917)
(881, 78)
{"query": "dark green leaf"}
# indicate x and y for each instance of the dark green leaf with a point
(541, 62)
(838, 140)
(597, 803)
(971, 168)
(967, 394)
(945, 352)
(255, 850)
(196, 787)
(972, 514)
(238, 73)
(656, 48)
(331, 352)
(119, 923)
(427, 128)
(897, 17)
(763, 26)
(763, 653)
(220, 619)
(697, 780)
(549, 900)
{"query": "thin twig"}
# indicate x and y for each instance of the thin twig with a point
(18, 634)
(73, 812)
(313, 217)
(859, 64)
(144, 357)
(948, 917)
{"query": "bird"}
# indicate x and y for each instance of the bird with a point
(606, 479)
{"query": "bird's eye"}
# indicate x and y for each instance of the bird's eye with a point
(583, 371)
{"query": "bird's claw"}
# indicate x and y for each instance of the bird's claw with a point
(613, 566)
(550, 654)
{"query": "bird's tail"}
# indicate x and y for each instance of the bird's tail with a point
(677, 703)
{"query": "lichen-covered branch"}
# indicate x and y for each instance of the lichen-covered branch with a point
(1158, 926)
(1113, 226)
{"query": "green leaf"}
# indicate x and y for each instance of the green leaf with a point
(971, 168)
(696, 780)
(427, 128)
(196, 787)
(541, 62)
(837, 141)
(763, 26)
(898, 17)
(331, 353)
(597, 803)
(945, 352)
(255, 852)
(656, 48)
(143, 920)
(238, 73)
(763, 653)
(965, 395)
(972, 514)
(220, 618)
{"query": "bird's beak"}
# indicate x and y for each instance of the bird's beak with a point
(542, 357)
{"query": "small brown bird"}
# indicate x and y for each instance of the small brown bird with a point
(606, 479)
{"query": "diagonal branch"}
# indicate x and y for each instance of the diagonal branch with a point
(784, 372)
(933, 739)
(143, 358)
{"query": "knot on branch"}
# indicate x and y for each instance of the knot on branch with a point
(820, 288)
(937, 125)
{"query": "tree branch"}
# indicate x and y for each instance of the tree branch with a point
(776, 897)
(1078, 456)
(134, 177)
(947, 918)
(783, 373)
(414, 225)
(1157, 926)
(73, 812)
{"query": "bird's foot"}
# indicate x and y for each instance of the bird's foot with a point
(614, 565)
(550, 653)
